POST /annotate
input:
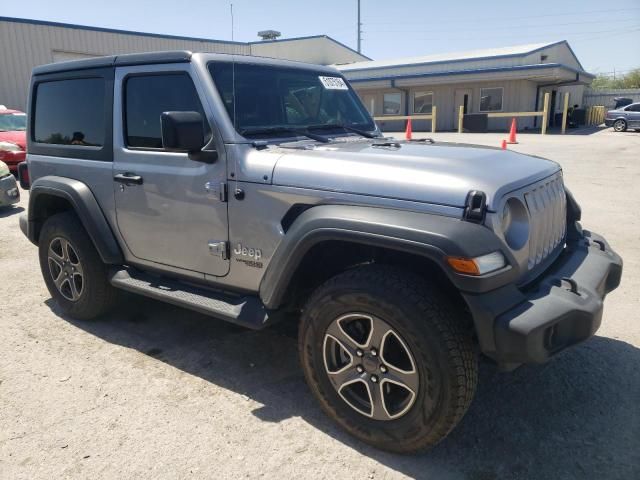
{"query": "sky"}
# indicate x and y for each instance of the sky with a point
(605, 39)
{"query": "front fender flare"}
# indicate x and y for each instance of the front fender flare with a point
(84, 204)
(431, 236)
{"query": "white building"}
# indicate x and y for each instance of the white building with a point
(509, 79)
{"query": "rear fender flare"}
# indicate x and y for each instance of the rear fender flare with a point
(86, 207)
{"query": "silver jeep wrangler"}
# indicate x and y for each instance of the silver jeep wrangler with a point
(256, 190)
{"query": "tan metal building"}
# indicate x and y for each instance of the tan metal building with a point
(509, 79)
(28, 43)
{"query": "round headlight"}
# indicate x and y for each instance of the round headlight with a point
(515, 223)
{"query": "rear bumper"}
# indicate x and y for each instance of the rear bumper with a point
(562, 309)
(608, 122)
(9, 193)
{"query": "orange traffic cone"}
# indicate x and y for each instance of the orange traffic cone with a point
(512, 132)
(409, 131)
(504, 145)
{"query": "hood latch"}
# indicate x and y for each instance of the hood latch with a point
(475, 206)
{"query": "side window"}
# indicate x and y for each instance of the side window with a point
(634, 108)
(491, 99)
(70, 112)
(392, 103)
(147, 97)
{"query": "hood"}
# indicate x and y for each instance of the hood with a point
(18, 137)
(441, 173)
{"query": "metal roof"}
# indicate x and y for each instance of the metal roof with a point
(172, 37)
(501, 52)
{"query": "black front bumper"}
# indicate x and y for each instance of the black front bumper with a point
(563, 308)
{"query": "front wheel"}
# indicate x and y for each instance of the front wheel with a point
(620, 125)
(388, 357)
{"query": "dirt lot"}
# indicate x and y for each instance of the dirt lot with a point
(153, 391)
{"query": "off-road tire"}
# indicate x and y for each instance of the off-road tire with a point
(436, 333)
(620, 125)
(97, 295)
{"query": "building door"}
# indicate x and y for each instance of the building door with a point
(462, 96)
(552, 108)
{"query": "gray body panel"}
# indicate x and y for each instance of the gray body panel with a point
(79, 195)
(442, 174)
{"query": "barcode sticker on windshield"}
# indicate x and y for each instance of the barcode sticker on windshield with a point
(333, 83)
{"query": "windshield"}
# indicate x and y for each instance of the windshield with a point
(278, 100)
(13, 121)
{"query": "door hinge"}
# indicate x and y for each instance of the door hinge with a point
(219, 249)
(221, 191)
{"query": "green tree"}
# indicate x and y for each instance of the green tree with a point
(630, 80)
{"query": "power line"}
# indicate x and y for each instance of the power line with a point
(440, 19)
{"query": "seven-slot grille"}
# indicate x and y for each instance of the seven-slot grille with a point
(547, 204)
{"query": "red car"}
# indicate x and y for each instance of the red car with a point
(13, 137)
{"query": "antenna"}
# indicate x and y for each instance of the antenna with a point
(359, 30)
(231, 21)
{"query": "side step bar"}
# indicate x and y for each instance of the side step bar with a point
(247, 311)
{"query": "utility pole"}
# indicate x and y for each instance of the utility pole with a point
(359, 30)
(232, 22)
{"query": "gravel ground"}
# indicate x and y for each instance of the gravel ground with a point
(153, 391)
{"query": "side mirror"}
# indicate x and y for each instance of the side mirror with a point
(182, 131)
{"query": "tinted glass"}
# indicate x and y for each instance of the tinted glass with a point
(148, 96)
(490, 99)
(70, 112)
(11, 122)
(267, 96)
(634, 108)
(422, 102)
(392, 103)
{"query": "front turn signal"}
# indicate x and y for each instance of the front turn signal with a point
(478, 265)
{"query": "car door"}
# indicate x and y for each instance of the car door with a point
(633, 115)
(170, 207)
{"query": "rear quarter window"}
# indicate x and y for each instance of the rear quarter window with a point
(70, 112)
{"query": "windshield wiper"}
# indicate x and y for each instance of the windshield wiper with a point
(298, 131)
(328, 126)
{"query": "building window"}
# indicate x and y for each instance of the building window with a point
(70, 112)
(491, 99)
(147, 96)
(392, 104)
(422, 102)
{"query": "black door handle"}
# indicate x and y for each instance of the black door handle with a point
(128, 178)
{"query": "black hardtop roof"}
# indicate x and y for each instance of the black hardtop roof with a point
(173, 56)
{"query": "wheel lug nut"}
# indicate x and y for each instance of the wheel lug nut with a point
(374, 352)
(359, 353)
(359, 369)
(383, 369)
(374, 379)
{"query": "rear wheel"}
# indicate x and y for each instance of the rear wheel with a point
(620, 125)
(72, 269)
(387, 356)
